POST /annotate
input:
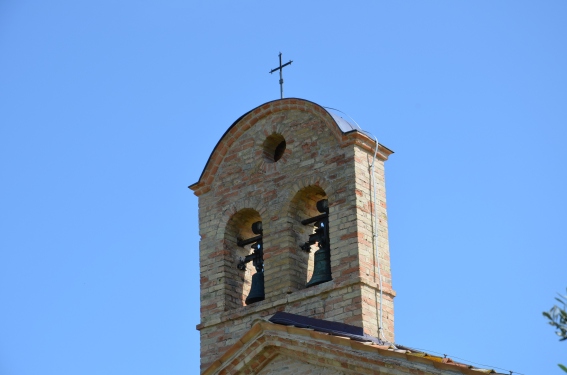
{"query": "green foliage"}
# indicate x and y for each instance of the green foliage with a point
(557, 317)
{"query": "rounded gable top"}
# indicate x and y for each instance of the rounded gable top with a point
(343, 125)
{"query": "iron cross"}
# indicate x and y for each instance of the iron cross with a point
(280, 68)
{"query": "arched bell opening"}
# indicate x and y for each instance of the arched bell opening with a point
(303, 207)
(239, 264)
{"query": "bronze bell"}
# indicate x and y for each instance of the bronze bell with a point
(257, 258)
(322, 268)
(257, 289)
(322, 259)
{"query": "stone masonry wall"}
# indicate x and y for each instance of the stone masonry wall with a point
(243, 183)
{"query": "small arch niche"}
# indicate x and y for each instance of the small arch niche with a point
(304, 206)
(273, 148)
(238, 282)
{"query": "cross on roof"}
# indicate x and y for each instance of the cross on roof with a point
(280, 68)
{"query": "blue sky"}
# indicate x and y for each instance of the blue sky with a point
(110, 109)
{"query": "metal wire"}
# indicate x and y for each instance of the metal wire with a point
(375, 222)
(465, 360)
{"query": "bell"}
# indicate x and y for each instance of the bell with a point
(257, 227)
(322, 206)
(322, 269)
(257, 289)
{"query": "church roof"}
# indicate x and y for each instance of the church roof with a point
(324, 343)
(320, 325)
(345, 125)
(356, 333)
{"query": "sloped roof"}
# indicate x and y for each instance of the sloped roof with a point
(319, 325)
(357, 334)
(327, 343)
(344, 124)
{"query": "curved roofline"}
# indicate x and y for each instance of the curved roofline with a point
(344, 125)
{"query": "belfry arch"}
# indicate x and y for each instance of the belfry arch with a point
(237, 281)
(303, 206)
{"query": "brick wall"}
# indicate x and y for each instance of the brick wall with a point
(284, 365)
(242, 183)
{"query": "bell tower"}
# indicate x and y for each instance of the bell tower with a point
(292, 218)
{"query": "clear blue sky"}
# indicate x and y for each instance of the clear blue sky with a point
(110, 109)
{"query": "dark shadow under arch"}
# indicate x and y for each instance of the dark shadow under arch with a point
(303, 206)
(238, 282)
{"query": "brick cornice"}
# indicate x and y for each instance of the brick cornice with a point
(367, 144)
(279, 304)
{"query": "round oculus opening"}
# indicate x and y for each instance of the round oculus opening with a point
(274, 148)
